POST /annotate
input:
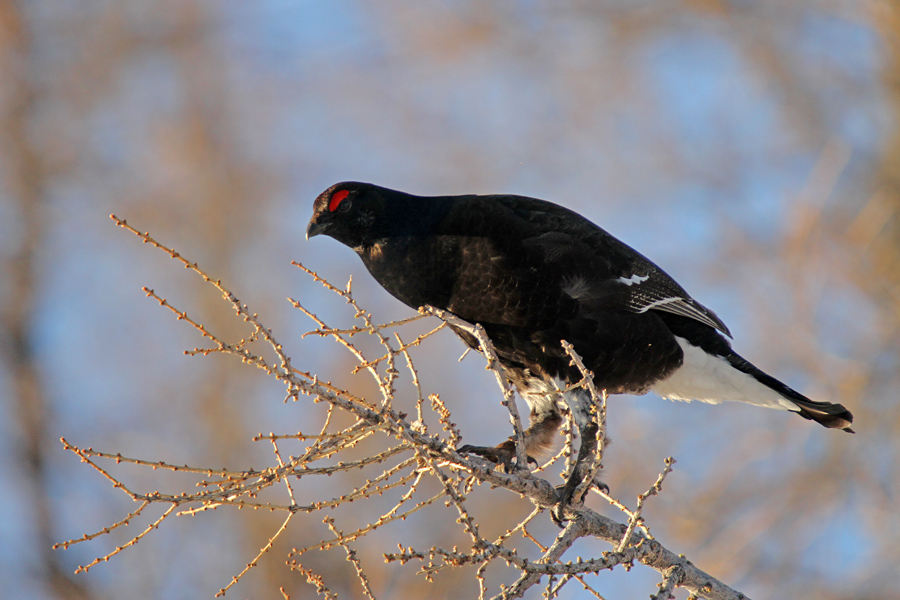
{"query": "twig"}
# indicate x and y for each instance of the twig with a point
(636, 516)
(353, 559)
(240, 309)
(671, 580)
(493, 364)
(255, 560)
(354, 330)
(563, 542)
(132, 542)
(434, 458)
(598, 413)
(420, 396)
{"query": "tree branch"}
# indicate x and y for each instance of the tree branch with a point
(410, 455)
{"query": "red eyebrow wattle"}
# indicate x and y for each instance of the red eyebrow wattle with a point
(336, 199)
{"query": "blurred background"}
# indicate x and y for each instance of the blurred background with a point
(749, 147)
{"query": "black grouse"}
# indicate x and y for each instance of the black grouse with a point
(533, 273)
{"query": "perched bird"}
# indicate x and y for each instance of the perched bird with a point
(533, 273)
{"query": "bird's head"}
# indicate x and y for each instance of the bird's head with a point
(349, 212)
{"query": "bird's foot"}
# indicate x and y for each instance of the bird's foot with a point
(503, 454)
(566, 500)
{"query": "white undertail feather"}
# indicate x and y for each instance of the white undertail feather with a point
(709, 378)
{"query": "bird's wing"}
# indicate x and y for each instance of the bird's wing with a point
(653, 289)
(597, 267)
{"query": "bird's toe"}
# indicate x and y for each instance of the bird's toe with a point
(504, 454)
(566, 499)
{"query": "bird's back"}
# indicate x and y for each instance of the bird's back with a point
(532, 273)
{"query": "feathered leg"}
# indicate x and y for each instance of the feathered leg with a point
(579, 402)
(539, 438)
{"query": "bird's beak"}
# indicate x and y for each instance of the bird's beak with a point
(315, 229)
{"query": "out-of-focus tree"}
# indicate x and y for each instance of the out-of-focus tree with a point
(750, 148)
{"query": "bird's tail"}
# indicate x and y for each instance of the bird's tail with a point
(833, 416)
(830, 415)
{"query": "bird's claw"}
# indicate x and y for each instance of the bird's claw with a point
(566, 498)
(504, 454)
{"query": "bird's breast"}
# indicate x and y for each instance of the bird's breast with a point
(416, 271)
(467, 275)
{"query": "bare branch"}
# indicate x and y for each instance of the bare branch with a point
(530, 577)
(433, 459)
(255, 560)
(636, 516)
(671, 580)
(493, 364)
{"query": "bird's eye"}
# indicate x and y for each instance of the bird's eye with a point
(344, 206)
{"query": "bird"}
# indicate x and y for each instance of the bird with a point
(534, 274)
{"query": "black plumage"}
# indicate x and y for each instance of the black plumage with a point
(533, 273)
